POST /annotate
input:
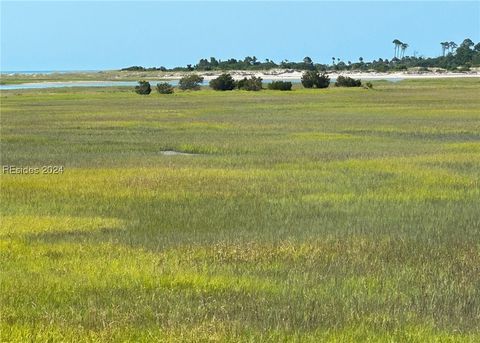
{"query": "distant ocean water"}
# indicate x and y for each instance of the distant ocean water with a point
(31, 72)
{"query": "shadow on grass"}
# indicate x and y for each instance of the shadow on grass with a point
(75, 236)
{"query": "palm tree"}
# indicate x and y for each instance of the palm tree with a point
(307, 60)
(397, 45)
(452, 46)
(445, 46)
(404, 47)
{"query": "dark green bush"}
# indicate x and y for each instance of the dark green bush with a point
(280, 85)
(164, 88)
(224, 82)
(251, 84)
(369, 85)
(191, 82)
(312, 78)
(345, 81)
(143, 88)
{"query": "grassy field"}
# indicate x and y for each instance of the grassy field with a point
(107, 75)
(343, 215)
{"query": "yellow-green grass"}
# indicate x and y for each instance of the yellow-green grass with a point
(340, 215)
(107, 75)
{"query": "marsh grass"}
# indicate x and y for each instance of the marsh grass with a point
(334, 215)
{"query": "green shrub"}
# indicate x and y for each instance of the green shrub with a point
(224, 82)
(463, 68)
(345, 81)
(381, 68)
(143, 88)
(369, 85)
(312, 78)
(164, 88)
(280, 85)
(251, 84)
(190, 82)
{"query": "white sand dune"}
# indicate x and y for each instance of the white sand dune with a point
(281, 74)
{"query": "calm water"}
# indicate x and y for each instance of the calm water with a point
(45, 72)
(43, 85)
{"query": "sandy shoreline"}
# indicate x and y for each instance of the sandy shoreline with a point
(267, 76)
(297, 75)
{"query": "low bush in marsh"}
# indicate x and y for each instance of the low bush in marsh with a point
(190, 82)
(312, 78)
(251, 84)
(143, 88)
(345, 81)
(224, 82)
(280, 85)
(164, 88)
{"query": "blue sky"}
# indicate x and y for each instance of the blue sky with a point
(75, 35)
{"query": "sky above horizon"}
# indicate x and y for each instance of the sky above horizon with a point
(75, 35)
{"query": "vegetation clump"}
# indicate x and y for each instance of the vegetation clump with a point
(143, 88)
(312, 78)
(454, 56)
(224, 82)
(190, 82)
(251, 84)
(164, 88)
(346, 81)
(140, 68)
(280, 85)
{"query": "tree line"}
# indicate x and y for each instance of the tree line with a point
(454, 56)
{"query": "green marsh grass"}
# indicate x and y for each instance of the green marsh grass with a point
(339, 215)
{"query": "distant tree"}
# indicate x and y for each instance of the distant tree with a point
(345, 81)
(403, 47)
(203, 64)
(224, 82)
(213, 62)
(464, 53)
(189, 67)
(190, 82)
(164, 88)
(445, 46)
(397, 44)
(313, 78)
(467, 43)
(248, 60)
(307, 60)
(452, 46)
(280, 85)
(133, 68)
(143, 88)
(360, 59)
